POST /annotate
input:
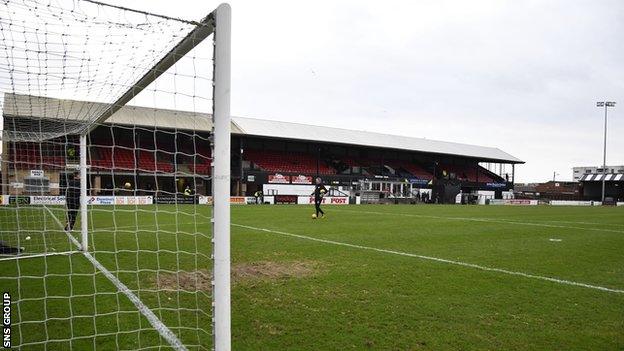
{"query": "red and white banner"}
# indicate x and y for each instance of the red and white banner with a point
(301, 179)
(327, 200)
(279, 178)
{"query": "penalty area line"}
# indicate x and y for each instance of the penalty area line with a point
(437, 259)
(27, 256)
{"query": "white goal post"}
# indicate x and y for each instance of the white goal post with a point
(131, 107)
(221, 179)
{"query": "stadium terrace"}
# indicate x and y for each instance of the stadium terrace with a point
(154, 150)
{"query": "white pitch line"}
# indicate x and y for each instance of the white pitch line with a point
(162, 329)
(589, 223)
(436, 259)
(487, 220)
(26, 256)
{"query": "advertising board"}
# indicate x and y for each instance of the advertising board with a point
(301, 179)
(327, 200)
(47, 200)
(278, 178)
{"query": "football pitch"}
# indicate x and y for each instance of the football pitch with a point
(376, 277)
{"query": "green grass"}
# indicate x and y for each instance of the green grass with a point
(355, 298)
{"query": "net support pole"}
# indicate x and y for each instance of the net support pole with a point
(83, 193)
(4, 168)
(221, 179)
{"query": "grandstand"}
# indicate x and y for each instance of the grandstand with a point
(155, 148)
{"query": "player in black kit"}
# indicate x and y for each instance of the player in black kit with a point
(72, 200)
(319, 192)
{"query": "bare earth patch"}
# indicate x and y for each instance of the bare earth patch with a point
(189, 281)
(244, 272)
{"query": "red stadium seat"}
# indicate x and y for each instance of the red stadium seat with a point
(287, 162)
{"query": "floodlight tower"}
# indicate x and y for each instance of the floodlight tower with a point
(555, 174)
(606, 105)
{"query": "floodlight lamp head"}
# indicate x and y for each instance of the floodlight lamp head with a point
(600, 104)
(610, 103)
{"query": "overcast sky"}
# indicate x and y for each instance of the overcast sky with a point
(522, 76)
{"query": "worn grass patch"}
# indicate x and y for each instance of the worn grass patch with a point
(269, 270)
(244, 272)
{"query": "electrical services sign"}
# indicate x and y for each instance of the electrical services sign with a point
(47, 200)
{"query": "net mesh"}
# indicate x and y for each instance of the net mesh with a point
(74, 50)
(145, 281)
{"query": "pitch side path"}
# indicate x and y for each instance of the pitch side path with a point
(432, 277)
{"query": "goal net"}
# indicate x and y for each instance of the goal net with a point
(115, 177)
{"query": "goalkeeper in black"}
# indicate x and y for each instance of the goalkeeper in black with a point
(72, 200)
(319, 192)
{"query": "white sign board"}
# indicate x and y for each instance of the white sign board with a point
(36, 173)
(514, 202)
(47, 200)
(327, 200)
(120, 200)
(571, 203)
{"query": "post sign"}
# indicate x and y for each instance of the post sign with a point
(327, 200)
